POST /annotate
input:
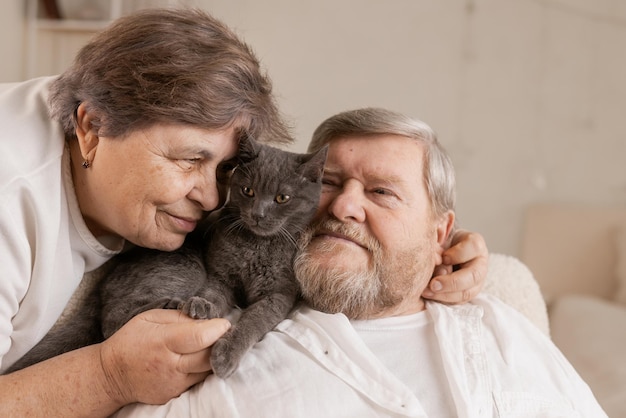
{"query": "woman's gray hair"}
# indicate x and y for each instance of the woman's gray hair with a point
(172, 66)
(438, 173)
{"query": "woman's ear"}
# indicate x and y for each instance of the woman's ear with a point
(87, 136)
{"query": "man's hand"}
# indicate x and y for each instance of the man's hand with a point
(463, 272)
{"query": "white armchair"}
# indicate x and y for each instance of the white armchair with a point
(578, 256)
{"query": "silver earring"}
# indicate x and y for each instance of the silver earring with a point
(86, 164)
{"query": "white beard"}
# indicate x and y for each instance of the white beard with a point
(363, 291)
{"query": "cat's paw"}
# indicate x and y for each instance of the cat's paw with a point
(199, 308)
(224, 360)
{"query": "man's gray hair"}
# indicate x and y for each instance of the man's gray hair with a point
(439, 175)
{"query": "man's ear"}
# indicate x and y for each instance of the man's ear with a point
(445, 225)
(87, 136)
(444, 228)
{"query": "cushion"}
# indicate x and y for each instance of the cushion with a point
(511, 281)
(571, 248)
(620, 265)
(590, 332)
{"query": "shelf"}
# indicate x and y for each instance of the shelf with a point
(68, 25)
(52, 44)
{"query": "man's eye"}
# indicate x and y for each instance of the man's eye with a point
(282, 198)
(248, 191)
(383, 192)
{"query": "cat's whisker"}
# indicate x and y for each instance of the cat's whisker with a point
(288, 237)
(232, 227)
(299, 229)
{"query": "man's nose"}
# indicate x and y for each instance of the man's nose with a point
(348, 204)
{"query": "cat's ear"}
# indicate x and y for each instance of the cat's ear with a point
(312, 166)
(248, 149)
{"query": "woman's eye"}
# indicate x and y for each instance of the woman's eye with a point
(282, 198)
(187, 164)
(248, 191)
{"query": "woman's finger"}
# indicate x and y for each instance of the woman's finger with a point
(191, 337)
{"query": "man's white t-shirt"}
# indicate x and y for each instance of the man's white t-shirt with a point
(407, 346)
(45, 246)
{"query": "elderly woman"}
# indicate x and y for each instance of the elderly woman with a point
(127, 146)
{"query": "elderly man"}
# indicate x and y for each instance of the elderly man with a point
(365, 343)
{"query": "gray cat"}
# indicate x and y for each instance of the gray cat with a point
(244, 258)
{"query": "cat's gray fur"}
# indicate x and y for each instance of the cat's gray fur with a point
(244, 258)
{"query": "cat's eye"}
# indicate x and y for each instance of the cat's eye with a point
(282, 198)
(248, 191)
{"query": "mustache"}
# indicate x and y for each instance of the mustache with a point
(349, 231)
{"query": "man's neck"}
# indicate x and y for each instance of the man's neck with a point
(408, 306)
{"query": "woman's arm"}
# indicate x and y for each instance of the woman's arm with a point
(153, 358)
(463, 274)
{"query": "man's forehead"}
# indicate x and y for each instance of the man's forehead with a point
(376, 140)
(379, 153)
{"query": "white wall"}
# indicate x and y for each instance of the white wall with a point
(528, 96)
(12, 39)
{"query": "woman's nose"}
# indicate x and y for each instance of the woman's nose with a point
(206, 192)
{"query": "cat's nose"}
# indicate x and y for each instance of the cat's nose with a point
(258, 218)
(260, 210)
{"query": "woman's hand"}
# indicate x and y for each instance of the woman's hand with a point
(463, 272)
(154, 357)
(158, 355)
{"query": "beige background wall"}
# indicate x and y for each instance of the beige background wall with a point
(528, 96)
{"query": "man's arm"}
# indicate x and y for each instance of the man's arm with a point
(155, 357)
